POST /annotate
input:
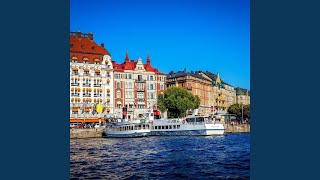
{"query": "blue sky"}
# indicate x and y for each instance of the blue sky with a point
(202, 35)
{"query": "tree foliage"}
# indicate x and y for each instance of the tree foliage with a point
(177, 101)
(237, 109)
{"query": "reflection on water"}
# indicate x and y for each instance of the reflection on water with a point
(161, 157)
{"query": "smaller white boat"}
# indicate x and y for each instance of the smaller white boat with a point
(128, 129)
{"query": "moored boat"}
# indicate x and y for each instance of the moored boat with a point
(190, 126)
(128, 129)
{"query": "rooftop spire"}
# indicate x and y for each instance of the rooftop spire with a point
(127, 57)
(148, 58)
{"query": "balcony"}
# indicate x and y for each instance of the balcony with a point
(97, 85)
(75, 94)
(141, 99)
(189, 88)
(86, 95)
(140, 89)
(140, 80)
(86, 85)
(74, 84)
(97, 95)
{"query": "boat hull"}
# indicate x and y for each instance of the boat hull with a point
(199, 132)
(127, 134)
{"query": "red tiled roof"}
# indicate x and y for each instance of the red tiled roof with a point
(83, 45)
(131, 65)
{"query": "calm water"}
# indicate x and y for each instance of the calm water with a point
(160, 157)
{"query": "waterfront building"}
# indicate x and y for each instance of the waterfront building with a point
(197, 84)
(243, 96)
(91, 78)
(224, 93)
(136, 86)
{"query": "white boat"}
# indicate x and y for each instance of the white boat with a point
(128, 129)
(190, 126)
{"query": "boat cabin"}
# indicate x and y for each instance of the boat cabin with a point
(131, 127)
(159, 127)
(197, 119)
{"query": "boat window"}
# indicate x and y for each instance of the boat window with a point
(174, 126)
(178, 127)
(162, 127)
(166, 127)
(155, 127)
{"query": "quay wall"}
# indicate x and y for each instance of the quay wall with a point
(86, 133)
(239, 128)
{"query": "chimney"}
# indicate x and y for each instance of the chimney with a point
(78, 34)
(102, 44)
(90, 36)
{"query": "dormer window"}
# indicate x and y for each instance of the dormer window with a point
(82, 46)
(93, 47)
(71, 45)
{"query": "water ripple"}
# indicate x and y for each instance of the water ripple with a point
(215, 157)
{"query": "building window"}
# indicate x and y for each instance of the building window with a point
(118, 76)
(151, 78)
(140, 95)
(118, 85)
(140, 106)
(82, 46)
(118, 94)
(139, 77)
(151, 86)
(161, 86)
(129, 76)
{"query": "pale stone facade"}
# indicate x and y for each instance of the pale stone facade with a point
(91, 79)
(243, 96)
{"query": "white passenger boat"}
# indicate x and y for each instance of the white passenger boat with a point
(128, 129)
(190, 126)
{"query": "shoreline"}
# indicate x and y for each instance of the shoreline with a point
(98, 133)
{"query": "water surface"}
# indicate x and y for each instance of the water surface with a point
(162, 157)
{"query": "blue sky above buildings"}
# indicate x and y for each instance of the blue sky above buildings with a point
(202, 35)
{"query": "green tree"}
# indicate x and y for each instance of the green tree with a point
(177, 101)
(237, 109)
(234, 109)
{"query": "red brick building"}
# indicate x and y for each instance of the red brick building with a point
(136, 86)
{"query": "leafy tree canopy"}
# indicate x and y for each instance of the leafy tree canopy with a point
(177, 101)
(237, 109)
